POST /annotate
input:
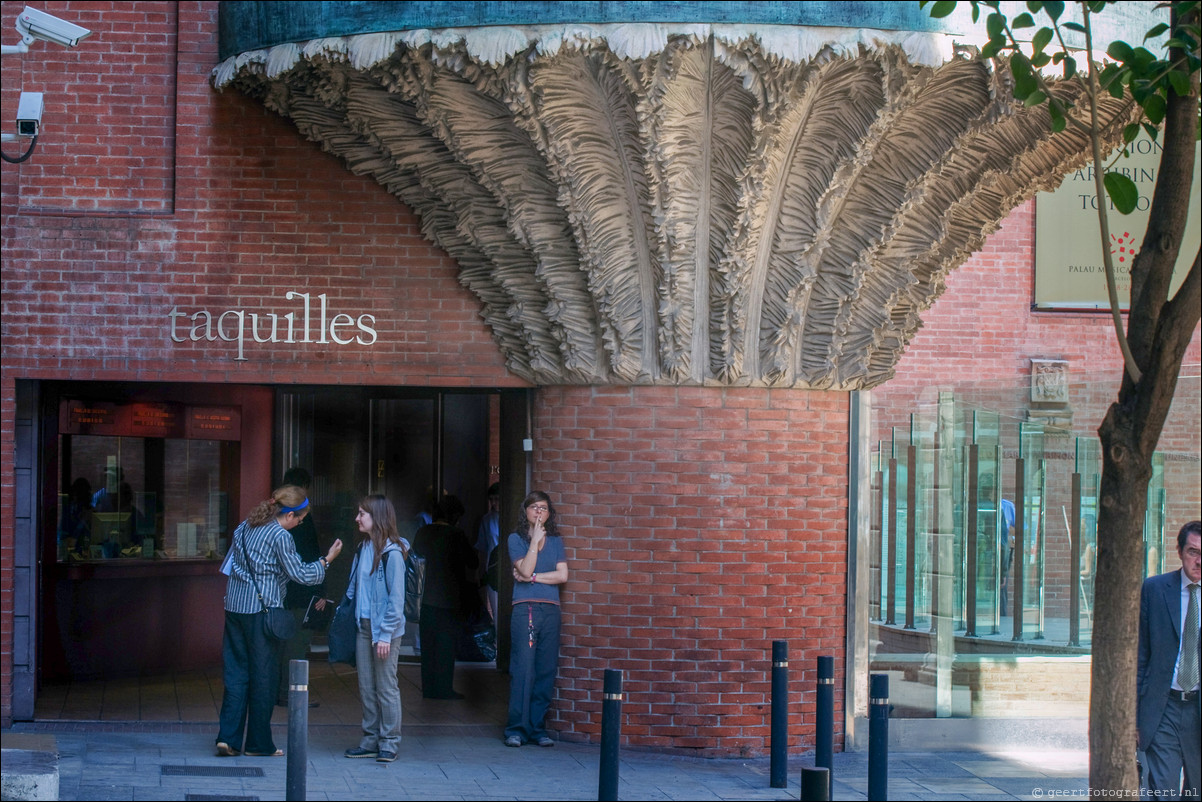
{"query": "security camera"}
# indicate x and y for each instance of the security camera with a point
(33, 24)
(29, 114)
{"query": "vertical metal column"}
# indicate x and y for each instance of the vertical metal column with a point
(778, 772)
(891, 586)
(611, 731)
(934, 538)
(970, 547)
(911, 531)
(1074, 565)
(298, 730)
(1017, 581)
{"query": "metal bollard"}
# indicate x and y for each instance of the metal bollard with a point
(815, 784)
(824, 746)
(298, 730)
(878, 737)
(611, 729)
(778, 772)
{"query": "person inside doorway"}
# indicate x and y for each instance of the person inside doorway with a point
(488, 535)
(449, 555)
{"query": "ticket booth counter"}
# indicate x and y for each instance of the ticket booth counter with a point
(149, 486)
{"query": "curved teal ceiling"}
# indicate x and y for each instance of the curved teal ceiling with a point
(255, 25)
(246, 25)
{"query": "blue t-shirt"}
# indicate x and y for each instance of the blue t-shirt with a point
(551, 555)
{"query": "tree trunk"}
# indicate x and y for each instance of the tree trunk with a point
(1120, 560)
(1159, 330)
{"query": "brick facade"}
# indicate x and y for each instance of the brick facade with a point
(701, 524)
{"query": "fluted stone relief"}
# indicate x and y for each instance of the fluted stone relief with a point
(690, 209)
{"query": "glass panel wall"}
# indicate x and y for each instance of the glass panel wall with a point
(984, 541)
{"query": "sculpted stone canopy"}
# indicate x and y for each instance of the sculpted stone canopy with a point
(689, 204)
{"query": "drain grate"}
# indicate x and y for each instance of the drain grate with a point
(212, 771)
(217, 797)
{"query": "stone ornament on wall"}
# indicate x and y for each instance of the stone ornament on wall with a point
(1049, 381)
(1050, 395)
(638, 204)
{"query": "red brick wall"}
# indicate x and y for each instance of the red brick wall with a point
(148, 191)
(713, 522)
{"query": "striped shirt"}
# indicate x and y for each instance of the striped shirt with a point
(272, 552)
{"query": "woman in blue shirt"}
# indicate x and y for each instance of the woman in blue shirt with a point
(540, 566)
(377, 586)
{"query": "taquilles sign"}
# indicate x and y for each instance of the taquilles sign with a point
(1068, 253)
(309, 320)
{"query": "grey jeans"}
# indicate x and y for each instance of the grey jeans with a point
(379, 693)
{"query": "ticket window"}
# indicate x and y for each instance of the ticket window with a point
(126, 497)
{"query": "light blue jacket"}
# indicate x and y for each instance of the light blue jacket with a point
(386, 595)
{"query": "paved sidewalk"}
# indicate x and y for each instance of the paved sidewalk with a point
(167, 762)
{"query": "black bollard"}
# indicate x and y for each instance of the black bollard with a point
(815, 784)
(878, 737)
(298, 730)
(778, 772)
(611, 730)
(824, 746)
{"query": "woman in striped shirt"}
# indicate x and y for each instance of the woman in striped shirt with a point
(262, 545)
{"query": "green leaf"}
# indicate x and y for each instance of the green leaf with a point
(1122, 191)
(1035, 98)
(1130, 132)
(1070, 67)
(1041, 38)
(1156, 31)
(1023, 21)
(1059, 121)
(1025, 83)
(1154, 108)
(1151, 131)
(1120, 51)
(942, 9)
(1075, 26)
(1180, 82)
(1054, 10)
(995, 26)
(1143, 59)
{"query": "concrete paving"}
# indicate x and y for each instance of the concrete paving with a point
(152, 738)
(112, 761)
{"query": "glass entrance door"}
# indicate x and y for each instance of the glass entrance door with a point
(410, 447)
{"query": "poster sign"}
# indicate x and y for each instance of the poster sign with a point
(1068, 255)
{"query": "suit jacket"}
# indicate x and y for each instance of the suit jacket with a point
(1159, 642)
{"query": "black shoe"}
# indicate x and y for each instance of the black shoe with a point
(385, 756)
(359, 751)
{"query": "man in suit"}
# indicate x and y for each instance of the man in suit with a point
(1167, 717)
